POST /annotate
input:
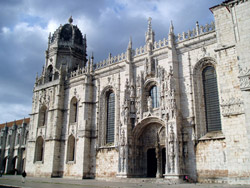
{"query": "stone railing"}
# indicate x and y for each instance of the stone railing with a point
(160, 44)
(77, 72)
(139, 51)
(110, 60)
(199, 30)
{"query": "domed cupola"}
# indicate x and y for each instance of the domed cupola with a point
(67, 47)
(68, 34)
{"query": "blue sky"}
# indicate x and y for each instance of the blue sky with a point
(108, 24)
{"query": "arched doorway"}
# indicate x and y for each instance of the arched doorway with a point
(149, 138)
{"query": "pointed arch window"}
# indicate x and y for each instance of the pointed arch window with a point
(110, 130)
(39, 149)
(73, 110)
(43, 113)
(18, 139)
(9, 140)
(153, 93)
(211, 99)
(71, 148)
(50, 73)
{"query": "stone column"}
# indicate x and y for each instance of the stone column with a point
(157, 153)
(6, 165)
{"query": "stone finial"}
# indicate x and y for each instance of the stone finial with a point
(197, 28)
(130, 43)
(149, 24)
(70, 20)
(36, 76)
(171, 28)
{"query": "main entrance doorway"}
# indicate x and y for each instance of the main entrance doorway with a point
(151, 163)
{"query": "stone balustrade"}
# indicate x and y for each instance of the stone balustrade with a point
(199, 30)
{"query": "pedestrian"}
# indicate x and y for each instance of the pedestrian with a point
(23, 176)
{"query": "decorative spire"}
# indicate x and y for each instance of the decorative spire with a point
(70, 20)
(92, 63)
(150, 32)
(49, 38)
(149, 24)
(36, 76)
(130, 43)
(171, 28)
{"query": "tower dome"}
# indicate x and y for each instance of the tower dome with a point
(68, 33)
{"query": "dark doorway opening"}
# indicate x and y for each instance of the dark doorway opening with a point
(151, 163)
(163, 160)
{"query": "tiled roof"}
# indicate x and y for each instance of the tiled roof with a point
(17, 122)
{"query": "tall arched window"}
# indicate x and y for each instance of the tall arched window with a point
(153, 93)
(18, 139)
(110, 131)
(71, 148)
(43, 116)
(9, 140)
(73, 110)
(50, 73)
(39, 149)
(212, 108)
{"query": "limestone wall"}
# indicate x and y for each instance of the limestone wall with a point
(211, 161)
(106, 163)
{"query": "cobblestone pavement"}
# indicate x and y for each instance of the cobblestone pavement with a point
(32, 182)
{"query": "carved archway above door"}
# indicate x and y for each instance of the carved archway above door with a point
(149, 141)
(139, 128)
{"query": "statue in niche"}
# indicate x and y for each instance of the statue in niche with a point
(162, 89)
(132, 93)
(125, 111)
(127, 91)
(172, 108)
(162, 96)
(149, 104)
(171, 150)
(170, 80)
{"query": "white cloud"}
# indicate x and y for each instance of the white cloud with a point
(5, 30)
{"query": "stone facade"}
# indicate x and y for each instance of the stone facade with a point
(147, 112)
(13, 139)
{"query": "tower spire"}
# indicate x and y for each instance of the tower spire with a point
(171, 28)
(130, 43)
(149, 36)
(149, 24)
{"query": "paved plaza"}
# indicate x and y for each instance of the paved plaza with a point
(32, 182)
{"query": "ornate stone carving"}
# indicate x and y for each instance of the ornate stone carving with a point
(244, 76)
(122, 151)
(171, 150)
(149, 104)
(232, 106)
(138, 98)
(206, 61)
